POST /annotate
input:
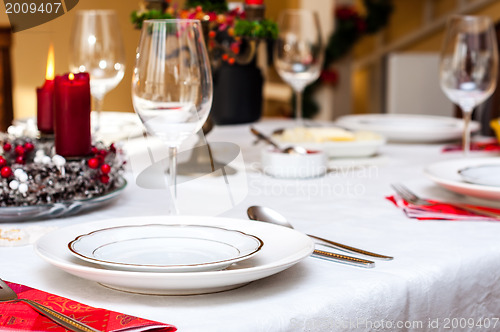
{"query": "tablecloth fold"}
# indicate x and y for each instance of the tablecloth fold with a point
(19, 316)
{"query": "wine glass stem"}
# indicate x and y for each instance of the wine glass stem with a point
(97, 108)
(298, 107)
(466, 133)
(172, 152)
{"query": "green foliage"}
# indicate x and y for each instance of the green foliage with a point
(265, 29)
(138, 17)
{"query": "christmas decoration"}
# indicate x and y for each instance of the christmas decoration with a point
(32, 175)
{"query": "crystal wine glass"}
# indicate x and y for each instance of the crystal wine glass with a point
(299, 52)
(97, 48)
(172, 83)
(469, 65)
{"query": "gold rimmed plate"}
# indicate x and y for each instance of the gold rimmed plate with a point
(165, 248)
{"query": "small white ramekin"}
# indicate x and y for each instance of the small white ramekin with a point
(292, 165)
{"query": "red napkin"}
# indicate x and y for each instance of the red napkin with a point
(440, 211)
(21, 317)
(487, 146)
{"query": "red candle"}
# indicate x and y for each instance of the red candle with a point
(254, 2)
(45, 98)
(72, 114)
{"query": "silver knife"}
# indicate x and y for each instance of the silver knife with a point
(354, 261)
(349, 249)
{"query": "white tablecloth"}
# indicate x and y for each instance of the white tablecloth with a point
(444, 273)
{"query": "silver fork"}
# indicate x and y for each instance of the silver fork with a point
(412, 198)
(8, 295)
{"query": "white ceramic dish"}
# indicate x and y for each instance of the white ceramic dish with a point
(166, 248)
(293, 166)
(486, 175)
(342, 149)
(408, 127)
(446, 174)
(283, 248)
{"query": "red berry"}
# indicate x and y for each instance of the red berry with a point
(19, 160)
(28, 146)
(7, 147)
(6, 172)
(112, 148)
(94, 150)
(100, 159)
(104, 178)
(19, 150)
(93, 163)
(105, 169)
(3, 162)
(103, 153)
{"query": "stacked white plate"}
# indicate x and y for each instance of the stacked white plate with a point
(408, 128)
(174, 255)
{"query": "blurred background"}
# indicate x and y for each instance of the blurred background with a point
(407, 47)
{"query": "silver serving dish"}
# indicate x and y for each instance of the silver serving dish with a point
(60, 209)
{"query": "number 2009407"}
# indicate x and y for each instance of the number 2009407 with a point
(32, 8)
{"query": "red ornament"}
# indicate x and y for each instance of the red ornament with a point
(3, 162)
(7, 147)
(93, 163)
(19, 150)
(28, 146)
(94, 150)
(19, 160)
(6, 172)
(112, 148)
(212, 34)
(105, 169)
(103, 153)
(104, 178)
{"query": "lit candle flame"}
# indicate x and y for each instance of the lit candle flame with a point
(49, 75)
(71, 76)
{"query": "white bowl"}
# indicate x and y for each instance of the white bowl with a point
(294, 165)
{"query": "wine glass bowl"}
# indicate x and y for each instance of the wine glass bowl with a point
(172, 82)
(469, 65)
(299, 51)
(97, 48)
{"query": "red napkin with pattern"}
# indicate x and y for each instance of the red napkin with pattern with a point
(440, 211)
(21, 317)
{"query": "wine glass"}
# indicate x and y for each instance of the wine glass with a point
(299, 52)
(97, 48)
(172, 83)
(469, 65)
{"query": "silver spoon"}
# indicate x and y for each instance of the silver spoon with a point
(289, 149)
(330, 256)
(266, 214)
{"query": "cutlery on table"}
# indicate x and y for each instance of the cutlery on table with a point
(414, 199)
(268, 140)
(8, 295)
(260, 213)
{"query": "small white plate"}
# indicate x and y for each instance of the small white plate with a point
(408, 127)
(486, 175)
(167, 248)
(342, 149)
(283, 248)
(446, 174)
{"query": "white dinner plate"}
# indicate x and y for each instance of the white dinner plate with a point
(167, 248)
(446, 174)
(283, 248)
(408, 127)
